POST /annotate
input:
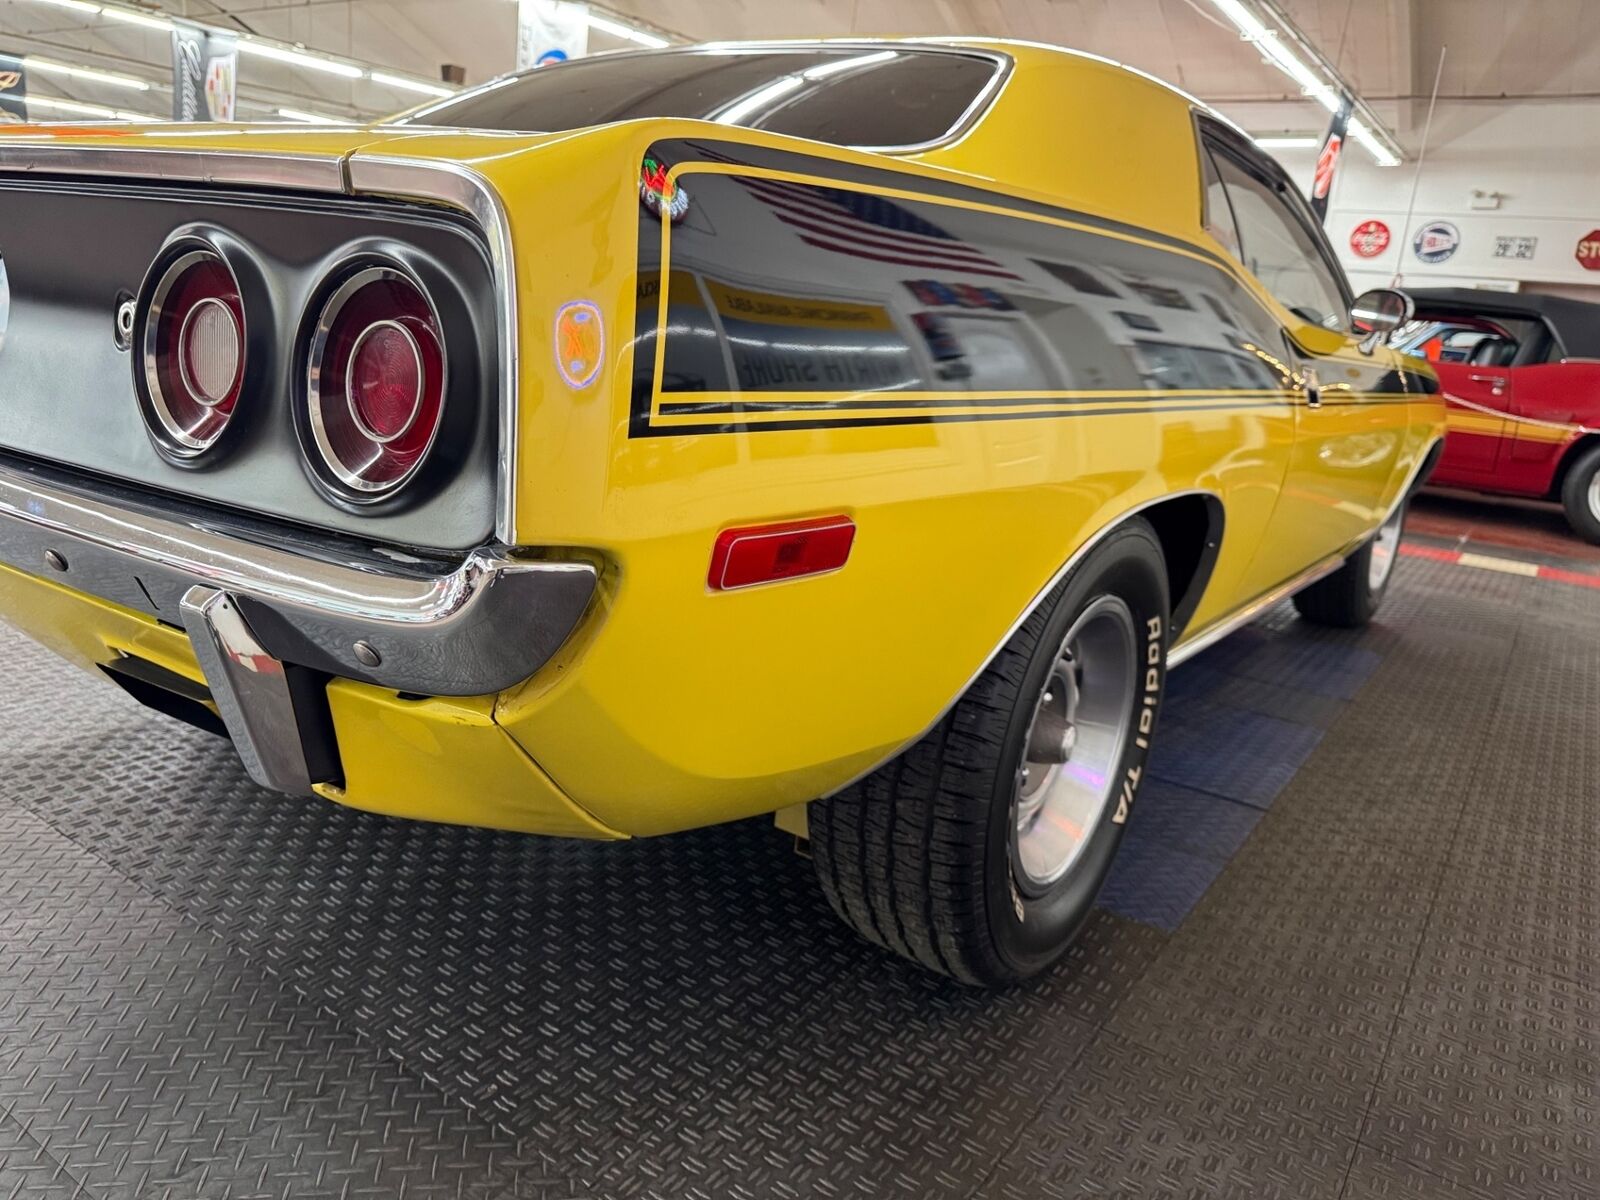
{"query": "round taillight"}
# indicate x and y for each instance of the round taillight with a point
(194, 352)
(375, 382)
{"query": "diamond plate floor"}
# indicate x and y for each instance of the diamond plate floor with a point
(1375, 975)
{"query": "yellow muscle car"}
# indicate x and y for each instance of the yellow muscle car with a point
(853, 429)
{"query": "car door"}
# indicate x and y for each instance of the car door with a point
(1353, 412)
(1477, 399)
(1553, 403)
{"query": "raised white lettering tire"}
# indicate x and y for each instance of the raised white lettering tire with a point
(979, 851)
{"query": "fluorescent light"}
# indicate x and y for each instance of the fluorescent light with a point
(82, 6)
(1385, 156)
(50, 67)
(1322, 90)
(133, 17)
(311, 118)
(410, 85)
(757, 100)
(626, 32)
(1288, 143)
(72, 106)
(848, 64)
(299, 58)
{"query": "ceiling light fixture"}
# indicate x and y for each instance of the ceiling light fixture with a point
(77, 109)
(410, 85)
(299, 58)
(626, 32)
(47, 66)
(294, 56)
(311, 118)
(133, 16)
(1326, 88)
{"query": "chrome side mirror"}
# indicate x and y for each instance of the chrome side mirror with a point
(1378, 313)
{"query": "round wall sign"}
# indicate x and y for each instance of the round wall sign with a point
(1369, 239)
(1436, 241)
(1588, 256)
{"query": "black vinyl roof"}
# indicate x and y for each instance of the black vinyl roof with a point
(1576, 322)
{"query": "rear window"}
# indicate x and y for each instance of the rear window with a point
(851, 96)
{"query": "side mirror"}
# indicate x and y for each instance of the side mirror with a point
(1378, 313)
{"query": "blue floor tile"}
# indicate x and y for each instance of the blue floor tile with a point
(1229, 752)
(1154, 884)
(1196, 823)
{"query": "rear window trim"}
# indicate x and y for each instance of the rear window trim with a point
(974, 113)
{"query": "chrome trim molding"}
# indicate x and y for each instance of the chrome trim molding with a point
(302, 172)
(251, 691)
(487, 625)
(464, 189)
(354, 487)
(1242, 617)
(1210, 636)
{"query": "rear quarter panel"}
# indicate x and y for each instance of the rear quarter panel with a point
(681, 706)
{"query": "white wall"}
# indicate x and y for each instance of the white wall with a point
(1543, 155)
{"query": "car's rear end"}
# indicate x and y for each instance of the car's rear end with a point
(256, 454)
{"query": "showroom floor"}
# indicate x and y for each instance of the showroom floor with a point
(1352, 949)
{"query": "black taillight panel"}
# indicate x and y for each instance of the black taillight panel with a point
(207, 394)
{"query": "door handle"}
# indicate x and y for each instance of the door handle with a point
(1497, 383)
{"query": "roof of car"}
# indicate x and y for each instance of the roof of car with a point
(1576, 322)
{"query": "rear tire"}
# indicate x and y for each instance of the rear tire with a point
(1349, 597)
(943, 855)
(1580, 495)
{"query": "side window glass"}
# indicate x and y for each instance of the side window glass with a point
(1278, 250)
(1218, 215)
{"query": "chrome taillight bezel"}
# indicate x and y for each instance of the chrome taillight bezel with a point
(172, 437)
(332, 472)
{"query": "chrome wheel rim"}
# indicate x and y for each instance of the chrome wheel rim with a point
(1594, 496)
(1385, 548)
(1081, 722)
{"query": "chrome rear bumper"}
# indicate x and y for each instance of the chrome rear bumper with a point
(466, 629)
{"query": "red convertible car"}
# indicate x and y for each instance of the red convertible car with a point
(1521, 373)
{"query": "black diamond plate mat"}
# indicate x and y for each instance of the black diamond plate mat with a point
(1391, 989)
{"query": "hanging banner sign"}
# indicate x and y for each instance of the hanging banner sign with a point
(551, 31)
(13, 90)
(205, 73)
(1328, 160)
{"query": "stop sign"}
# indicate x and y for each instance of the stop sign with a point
(1589, 251)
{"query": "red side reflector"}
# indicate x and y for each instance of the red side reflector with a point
(767, 553)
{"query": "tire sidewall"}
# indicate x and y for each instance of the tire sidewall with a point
(1575, 496)
(1030, 931)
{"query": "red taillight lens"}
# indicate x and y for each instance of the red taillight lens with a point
(768, 553)
(375, 382)
(194, 353)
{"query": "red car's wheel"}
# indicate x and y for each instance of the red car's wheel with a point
(1580, 495)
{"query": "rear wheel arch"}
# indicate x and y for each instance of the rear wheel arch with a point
(1580, 446)
(1189, 527)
